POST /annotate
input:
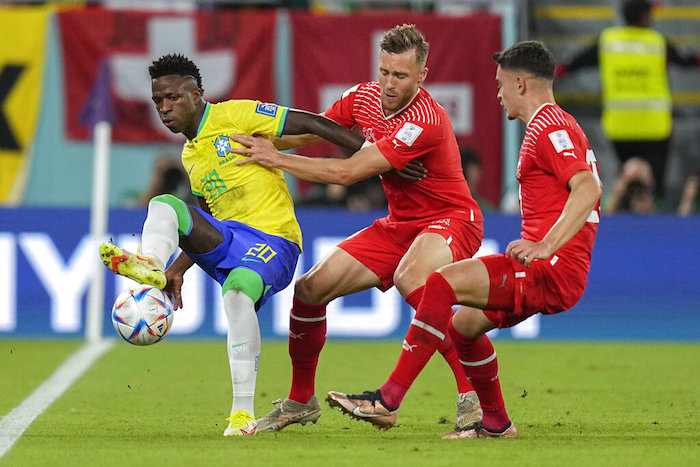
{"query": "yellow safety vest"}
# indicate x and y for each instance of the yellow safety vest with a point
(636, 97)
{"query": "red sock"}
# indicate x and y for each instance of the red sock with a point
(307, 334)
(446, 347)
(448, 351)
(427, 330)
(481, 366)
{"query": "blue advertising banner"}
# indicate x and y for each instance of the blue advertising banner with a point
(641, 286)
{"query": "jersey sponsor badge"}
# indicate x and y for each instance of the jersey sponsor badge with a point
(561, 142)
(408, 133)
(269, 110)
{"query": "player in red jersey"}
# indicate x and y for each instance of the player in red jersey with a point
(543, 272)
(431, 222)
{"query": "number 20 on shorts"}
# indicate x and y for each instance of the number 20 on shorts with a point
(262, 251)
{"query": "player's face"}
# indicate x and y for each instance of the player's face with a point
(507, 91)
(175, 98)
(399, 78)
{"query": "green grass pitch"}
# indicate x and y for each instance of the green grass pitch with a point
(573, 403)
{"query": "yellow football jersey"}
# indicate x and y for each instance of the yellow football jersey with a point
(250, 193)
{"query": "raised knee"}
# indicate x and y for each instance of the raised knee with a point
(166, 198)
(246, 281)
(465, 329)
(184, 217)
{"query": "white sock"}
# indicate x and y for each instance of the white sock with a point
(243, 344)
(159, 238)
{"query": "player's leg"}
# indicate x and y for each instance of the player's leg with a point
(427, 253)
(258, 265)
(241, 290)
(468, 331)
(168, 221)
(427, 330)
(481, 366)
(337, 274)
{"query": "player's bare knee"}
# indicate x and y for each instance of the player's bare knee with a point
(304, 290)
(470, 322)
(407, 280)
(464, 330)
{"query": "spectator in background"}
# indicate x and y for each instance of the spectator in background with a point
(168, 177)
(634, 189)
(634, 78)
(689, 199)
(364, 195)
(471, 166)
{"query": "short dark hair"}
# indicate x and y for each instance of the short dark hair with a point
(530, 56)
(633, 11)
(403, 38)
(175, 64)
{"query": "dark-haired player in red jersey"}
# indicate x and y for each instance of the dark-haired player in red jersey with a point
(432, 222)
(543, 272)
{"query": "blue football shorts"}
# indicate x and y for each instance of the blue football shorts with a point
(273, 258)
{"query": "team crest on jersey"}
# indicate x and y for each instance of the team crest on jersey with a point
(368, 133)
(222, 143)
(562, 143)
(269, 110)
(408, 133)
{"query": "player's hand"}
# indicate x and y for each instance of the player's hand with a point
(258, 149)
(413, 171)
(526, 251)
(173, 287)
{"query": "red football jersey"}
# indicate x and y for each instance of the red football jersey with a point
(553, 150)
(421, 129)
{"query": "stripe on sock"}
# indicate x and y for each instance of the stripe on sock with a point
(428, 328)
(307, 320)
(480, 362)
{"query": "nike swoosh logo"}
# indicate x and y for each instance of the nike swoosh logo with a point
(190, 171)
(238, 345)
(251, 259)
(356, 411)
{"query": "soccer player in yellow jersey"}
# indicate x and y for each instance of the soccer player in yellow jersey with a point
(244, 233)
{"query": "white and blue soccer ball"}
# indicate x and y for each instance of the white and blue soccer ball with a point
(142, 315)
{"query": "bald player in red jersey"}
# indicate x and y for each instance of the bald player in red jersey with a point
(432, 222)
(543, 272)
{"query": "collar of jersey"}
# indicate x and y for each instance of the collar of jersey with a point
(205, 115)
(387, 117)
(537, 111)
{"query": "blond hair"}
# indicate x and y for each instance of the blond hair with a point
(403, 38)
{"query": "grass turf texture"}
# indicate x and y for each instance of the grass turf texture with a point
(574, 404)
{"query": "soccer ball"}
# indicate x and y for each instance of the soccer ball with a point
(142, 315)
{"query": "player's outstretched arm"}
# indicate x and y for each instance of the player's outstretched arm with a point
(286, 142)
(301, 122)
(303, 128)
(363, 164)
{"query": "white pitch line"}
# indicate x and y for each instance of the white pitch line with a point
(18, 420)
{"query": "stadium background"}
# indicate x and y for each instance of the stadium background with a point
(641, 285)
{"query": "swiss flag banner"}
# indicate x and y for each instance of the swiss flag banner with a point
(333, 53)
(108, 51)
